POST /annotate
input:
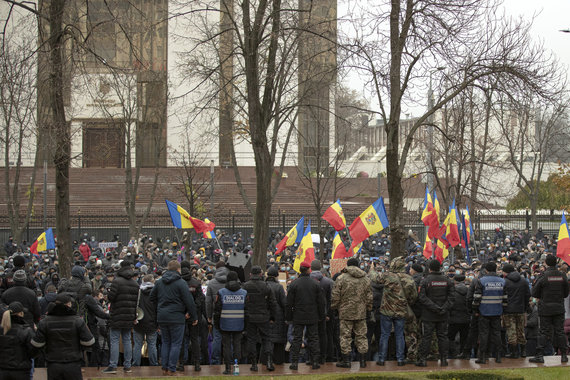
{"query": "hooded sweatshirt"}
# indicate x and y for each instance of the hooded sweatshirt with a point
(173, 300)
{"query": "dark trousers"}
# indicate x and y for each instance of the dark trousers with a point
(323, 338)
(440, 329)
(64, 371)
(463, 330)
(489, 332)
(312, 336)
(231, 339)
(192, 341)
(473, 335)
(14, 374)
(551, 329)
(257, 332)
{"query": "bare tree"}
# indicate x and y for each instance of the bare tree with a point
(255, 81)
(18, 111)
(400, 44)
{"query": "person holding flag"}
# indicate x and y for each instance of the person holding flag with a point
(306, 251)
(429, 216)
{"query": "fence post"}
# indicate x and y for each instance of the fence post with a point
(527, 220)
(79, 223)
(283, 222)
(233, 222)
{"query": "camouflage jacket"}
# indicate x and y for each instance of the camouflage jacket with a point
(394, 302)
(352, 294)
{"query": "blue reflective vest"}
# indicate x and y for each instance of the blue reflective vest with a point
(233, 305)
(492, 296)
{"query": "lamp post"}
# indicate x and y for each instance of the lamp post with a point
(430, 178)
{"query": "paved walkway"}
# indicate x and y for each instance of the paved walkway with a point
(216, 370)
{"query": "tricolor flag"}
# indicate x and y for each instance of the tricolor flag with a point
(294, 235)
(428, 248)
(371, 221)
(339, 250)
(452, 229)
(429, 216)
(436, 206)
(44, 242)
(335, 216)
(441, 249)
(354, 249)
(563, 245)
(209, 234)
(181, 219)
(305, 252)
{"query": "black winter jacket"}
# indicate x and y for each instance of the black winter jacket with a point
(278, 332)
(93, 310)
(518, 293)
(551, 288)
(437, 295)
(26, 297)
(326, 285)
(417, 306)
(459, 313)
(305, 301)
(148, 324)
(62, 333)
(123, 296)
(16, 350)
(260, 304)
(377, 292)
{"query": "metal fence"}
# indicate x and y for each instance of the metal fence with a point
(109, 226)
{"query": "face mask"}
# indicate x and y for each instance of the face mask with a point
(532, 277)
(457, 272)
(288, 268)
(470, 277)
(326, 266)
(282, 268)
(362, 267)
(170, 254)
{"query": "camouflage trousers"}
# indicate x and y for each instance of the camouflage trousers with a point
(412, 338)
(514, 324)
(360, 341)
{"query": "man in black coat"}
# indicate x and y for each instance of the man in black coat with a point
(146, 328)
(260, 309)
(305, 308)
(62, 333)
(326, 326)
(459, 316)
(123, 296)
(278, 332)
(26, 296)
(77, 287)
(551, 288)
(437, 294)
(518, 295)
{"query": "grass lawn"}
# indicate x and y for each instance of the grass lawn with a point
(551, 373)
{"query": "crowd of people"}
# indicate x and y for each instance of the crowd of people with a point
(173, 302)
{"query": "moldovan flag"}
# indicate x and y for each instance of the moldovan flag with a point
(209, 234)
(452, 230)
(294, 235)
(181, 219)
(354, 249)
(371, 221)
(339, 250)
(563, 245)
(306, 252)
(335, 216)
(44, 242)
(436, 206)
(428, 248)
(441, 249)
(429, 216)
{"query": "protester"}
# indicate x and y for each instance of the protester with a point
(174, 305)
(146, 328)
(16, 350)
(61, 334)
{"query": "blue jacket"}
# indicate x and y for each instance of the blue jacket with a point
(489, 295)
(229, 311)
(172, 299)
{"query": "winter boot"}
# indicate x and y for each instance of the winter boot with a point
(498, 358)
(513, 352)
(523, 350)
(253, 367)
(421, 363)
(538, 358)
(563, 355)
(443, 360)
(344, 362)
(482, 359)
(197, 366)
(294, 366)
(362, 360)
(316, 363)
(228, 370)
(270, 366)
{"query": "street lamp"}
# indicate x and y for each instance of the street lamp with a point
(430, 178)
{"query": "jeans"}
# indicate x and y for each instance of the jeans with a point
(172, 336)
(386, 327)
(139, 338)
(216, 346)
(114, 336)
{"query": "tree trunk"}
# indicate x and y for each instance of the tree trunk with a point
(62, 135)
(533, 206)
(396, 206)
(263, 171)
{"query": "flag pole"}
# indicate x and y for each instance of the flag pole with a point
(348, 232)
